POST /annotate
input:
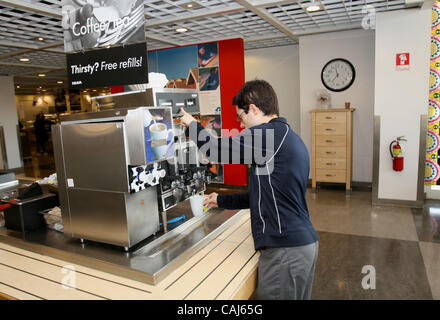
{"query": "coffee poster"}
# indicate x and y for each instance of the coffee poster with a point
(159, 135)
(101, 23)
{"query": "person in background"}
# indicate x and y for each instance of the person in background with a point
(41, 132)
(280, 221)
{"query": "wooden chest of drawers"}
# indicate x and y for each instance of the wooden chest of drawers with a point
(332, 146)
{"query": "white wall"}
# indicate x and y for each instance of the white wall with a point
(280, 67)
(357, 46)
(9, 121)
(401, 96)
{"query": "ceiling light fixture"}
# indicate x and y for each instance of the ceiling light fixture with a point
(24, 59)
(60, 82)
(313, 6)
(190, 5)
(41, 75)
(40, 39)
(181, 30)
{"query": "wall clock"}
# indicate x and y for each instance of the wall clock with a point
(338, 74)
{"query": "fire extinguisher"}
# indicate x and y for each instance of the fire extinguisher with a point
(397, 154)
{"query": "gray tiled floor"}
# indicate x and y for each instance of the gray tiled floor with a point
(427, 221)
(398, 267)
(398, 242)
(431, 258)
(333, 211)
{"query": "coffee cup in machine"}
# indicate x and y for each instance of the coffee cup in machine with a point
(159, 131)
(160, 135)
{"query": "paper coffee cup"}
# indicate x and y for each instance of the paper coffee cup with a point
(197, 205)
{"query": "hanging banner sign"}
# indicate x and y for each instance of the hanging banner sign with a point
(102, 23)
(122, 65)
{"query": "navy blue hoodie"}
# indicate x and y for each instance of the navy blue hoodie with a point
(277, 190)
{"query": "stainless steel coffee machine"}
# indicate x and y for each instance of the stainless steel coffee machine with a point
(119, 170)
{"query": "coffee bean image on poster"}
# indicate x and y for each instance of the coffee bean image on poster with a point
(100, 23)
(121, 65)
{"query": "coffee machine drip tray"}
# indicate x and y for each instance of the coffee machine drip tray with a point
(149, 261)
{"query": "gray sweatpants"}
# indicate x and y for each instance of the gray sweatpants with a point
(287, 273)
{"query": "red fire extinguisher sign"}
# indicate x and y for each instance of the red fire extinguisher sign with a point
(402, 61)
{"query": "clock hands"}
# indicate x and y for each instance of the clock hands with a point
(337, 75)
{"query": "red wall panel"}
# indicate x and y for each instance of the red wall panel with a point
(116, 89)
(231, 63)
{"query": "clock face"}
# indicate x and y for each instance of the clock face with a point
(338, 74)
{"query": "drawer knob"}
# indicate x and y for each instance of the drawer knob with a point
(330, 129)
(330, 140)
(330, 118)
(331, 163)
(330, 175)
(331, 152)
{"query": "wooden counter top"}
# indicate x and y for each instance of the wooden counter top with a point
(226, 268)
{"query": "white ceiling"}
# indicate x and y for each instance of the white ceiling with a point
(261, 23)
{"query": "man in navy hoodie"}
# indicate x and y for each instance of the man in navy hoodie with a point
(280, 220)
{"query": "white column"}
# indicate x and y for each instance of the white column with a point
(9, 121)
(401, 97)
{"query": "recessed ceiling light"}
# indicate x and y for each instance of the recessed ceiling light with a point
(181, 30)
(18, 87)
(59, 82)
(41, 75)
(190, 5)
(24, 59)
(40, 39)
(313, 6)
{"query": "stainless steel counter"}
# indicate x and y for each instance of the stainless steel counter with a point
(150, 261)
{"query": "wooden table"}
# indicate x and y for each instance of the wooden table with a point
(226, 268)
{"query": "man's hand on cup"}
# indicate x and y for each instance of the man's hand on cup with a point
(210, 200)
(186, 118)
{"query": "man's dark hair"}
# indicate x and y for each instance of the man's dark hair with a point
(259, 93)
